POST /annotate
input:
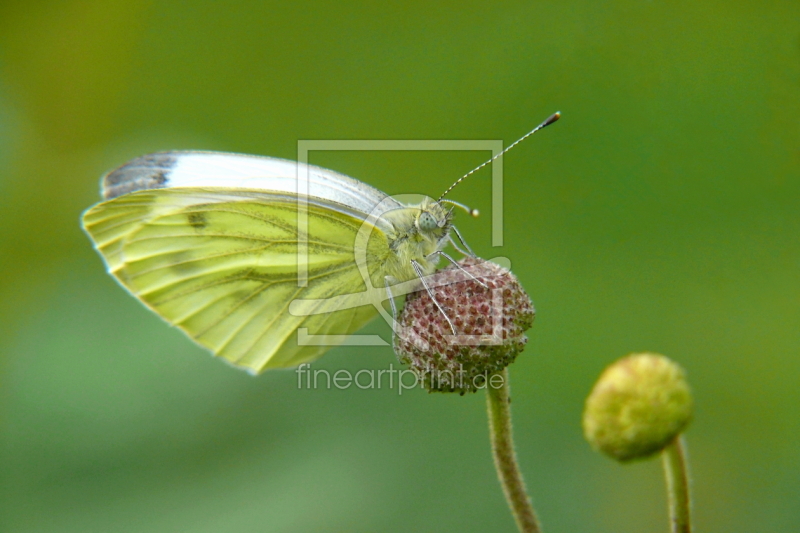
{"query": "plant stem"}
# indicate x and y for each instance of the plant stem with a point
(505, 459)
(677, 473)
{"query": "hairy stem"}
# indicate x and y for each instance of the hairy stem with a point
(505, 459)
(677, 473)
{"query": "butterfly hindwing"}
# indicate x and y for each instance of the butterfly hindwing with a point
(222, 266)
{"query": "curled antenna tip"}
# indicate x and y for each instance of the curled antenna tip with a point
(472, 212)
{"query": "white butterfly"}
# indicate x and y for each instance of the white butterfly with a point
(210, 242)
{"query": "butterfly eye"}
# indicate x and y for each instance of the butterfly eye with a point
(427, 222)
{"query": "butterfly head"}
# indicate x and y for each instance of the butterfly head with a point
(433, 220)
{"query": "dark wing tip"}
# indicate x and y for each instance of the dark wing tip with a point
(149, 171)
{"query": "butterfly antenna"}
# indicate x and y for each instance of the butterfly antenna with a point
(552, 118)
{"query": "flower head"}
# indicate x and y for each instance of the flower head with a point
(639, 405)
(490, 318)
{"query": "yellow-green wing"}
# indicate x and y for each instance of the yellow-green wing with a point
(221, 265)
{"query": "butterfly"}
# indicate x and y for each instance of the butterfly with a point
(225, 246)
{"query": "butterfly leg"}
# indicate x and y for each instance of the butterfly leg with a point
(386, 280)
(461, 239)
(462, 269)
(421, 277)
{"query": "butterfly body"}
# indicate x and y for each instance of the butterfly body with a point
(210, 242)
(409, 242)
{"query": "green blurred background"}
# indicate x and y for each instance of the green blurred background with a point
(660, 214)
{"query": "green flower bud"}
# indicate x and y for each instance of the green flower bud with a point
(490, 323)
(637, 407)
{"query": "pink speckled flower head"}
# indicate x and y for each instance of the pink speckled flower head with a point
(490, 323)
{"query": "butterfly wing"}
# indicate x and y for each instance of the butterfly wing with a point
(221, 265)
(165, 170)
